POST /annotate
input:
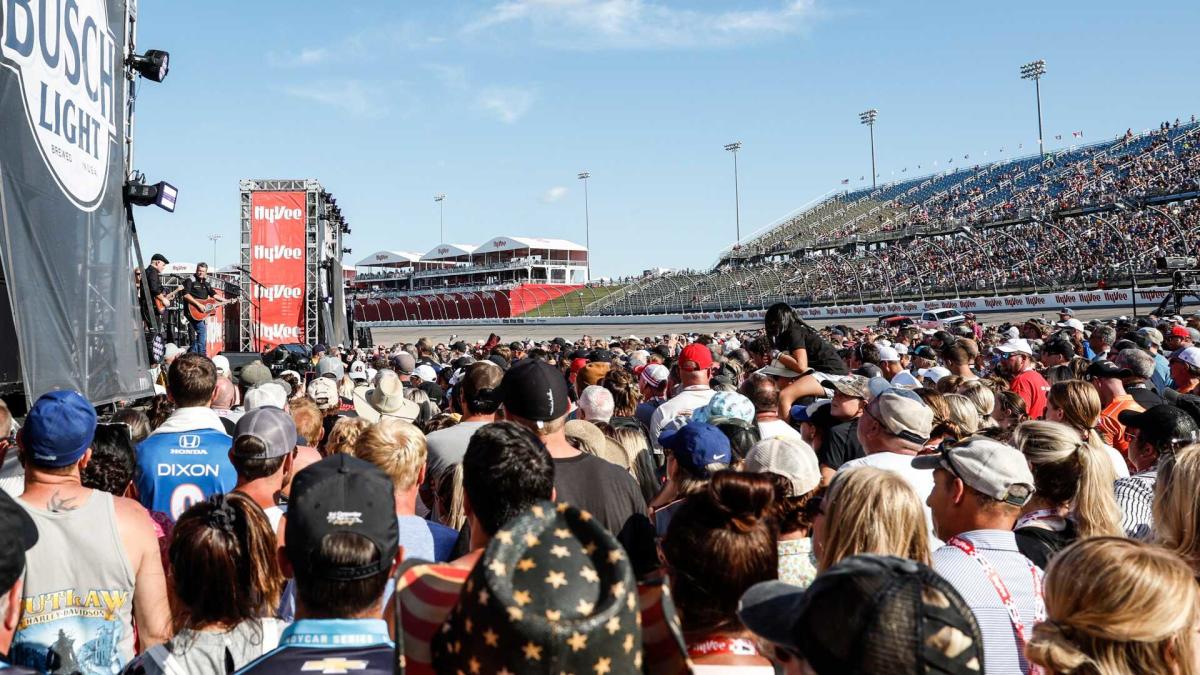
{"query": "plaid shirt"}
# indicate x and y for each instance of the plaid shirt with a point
(1135, 495)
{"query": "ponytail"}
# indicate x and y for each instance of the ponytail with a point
(1095, 510)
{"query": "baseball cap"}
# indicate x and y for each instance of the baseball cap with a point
(221, 362)
(274, 427)
(341, 493)
(158, 257)
(933, 374)
(535, 390)
(725, 404)
(404, 363)
(655, 374)
(358, 371)
(902, 411)
(267, 394)
(1106, 369)
(695, 357)
(592, 373)
(59, 428)
(902, 350)
(1189, 355)
(696, 445)
(777, 369)
(1071, 323)
(854, 386)
(329, 365)
(601, 355)
(1179, 332)
(1161, 424)
(16, 527)
(925, 352)
(888, 354)
(869, 614)
(789, 458)
(990, 467)
(1015, 346)
(810, 412)
(1154, 334)
(254, 374)
(1067, 310)
(425, 372)
(324, 392)
(1061, 348)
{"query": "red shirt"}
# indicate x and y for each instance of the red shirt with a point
(1032, 388)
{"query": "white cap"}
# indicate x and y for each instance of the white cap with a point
(933, 374)
(425, 372)
(905, 379)
(266, 394)
(789, 457)
(1016, 346)
(171, 351)
(222, 363)
(1072, 323)
(888, 354)
(902, 350)
(1189, 355)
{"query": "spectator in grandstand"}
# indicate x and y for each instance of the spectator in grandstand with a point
(763, 393)
(840, 443)
(869, 510)
(535, 396)
(695, 370)
(398, 449)
(802, 350)
(169, 481)
(1017, 361)
(1138, 383)
(1117, 606)
(1073, 496)
(89, 542)
(226, 580)
(1156, 434)
(720, 542)
(929, 628)
(264, 456)
(894, 428)
(1185, 370)
(980, 489)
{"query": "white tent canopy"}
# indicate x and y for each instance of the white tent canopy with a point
(389, 259)
(444, 251)
(504, 243)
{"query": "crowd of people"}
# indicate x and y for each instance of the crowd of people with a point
(992, 499)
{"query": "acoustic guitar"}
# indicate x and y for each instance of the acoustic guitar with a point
(207, 307)
(161, 303)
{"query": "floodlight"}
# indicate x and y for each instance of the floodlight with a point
(161, 194)
(153, 65)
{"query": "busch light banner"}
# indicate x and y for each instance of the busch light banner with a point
(65, 244)
(277, 225)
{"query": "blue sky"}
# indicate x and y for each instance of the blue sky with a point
(500, 105)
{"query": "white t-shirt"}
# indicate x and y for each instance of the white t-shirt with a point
(1118, 461)
(778, 429)
(905, 379)
(682, 404)
(921, 480)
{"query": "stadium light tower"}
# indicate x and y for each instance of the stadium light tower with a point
(587, 222)
(1034, 70)
(214, 237)
(440, 198)
(868, 118)
(737, 206)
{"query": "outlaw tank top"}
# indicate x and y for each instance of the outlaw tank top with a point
(78, 592)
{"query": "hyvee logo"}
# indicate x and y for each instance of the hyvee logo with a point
(273, 253)
(67, 62)
(278, 332)
(278, 292)
(274, 213)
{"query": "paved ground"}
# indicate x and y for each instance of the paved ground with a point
(542, 332)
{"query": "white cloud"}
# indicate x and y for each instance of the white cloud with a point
(643, 24)
(353, 97)
(554, 194)
(508, 104)
(305, 57)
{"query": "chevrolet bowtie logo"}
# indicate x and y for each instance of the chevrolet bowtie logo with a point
(333, 664)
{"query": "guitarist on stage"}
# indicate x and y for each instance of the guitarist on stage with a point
(154, 281)
(196, 290)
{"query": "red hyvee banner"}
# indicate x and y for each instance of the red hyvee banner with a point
(277, 264)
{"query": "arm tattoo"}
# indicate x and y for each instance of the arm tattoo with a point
(59, 505)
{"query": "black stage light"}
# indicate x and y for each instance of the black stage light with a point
(153, 65)
(161, 194)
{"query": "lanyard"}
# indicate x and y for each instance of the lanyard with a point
(1037, 516)
(734, 646)
(1006, 598)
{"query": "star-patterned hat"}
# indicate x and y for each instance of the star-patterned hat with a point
(553, 592)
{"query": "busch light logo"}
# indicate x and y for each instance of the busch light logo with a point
(278, 292)
(274, 213)
(68, 63)
(276, 332)
(278, 252)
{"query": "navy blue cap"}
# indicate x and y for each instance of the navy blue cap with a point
(59, 429)
(695, 445)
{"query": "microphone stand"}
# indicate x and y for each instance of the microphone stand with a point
(256, 313)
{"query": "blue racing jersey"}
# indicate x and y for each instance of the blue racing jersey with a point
(354, 646)
(178, 469)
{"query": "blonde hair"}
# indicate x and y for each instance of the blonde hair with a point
(870, 510)
(344, 435)
(1116, 606)
(1177, 503)
(984, 400)
(1080, 405)
(1068, 470)
(964, 416)
(397, 447)
(448, 497)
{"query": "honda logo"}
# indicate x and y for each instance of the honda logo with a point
(189, 441)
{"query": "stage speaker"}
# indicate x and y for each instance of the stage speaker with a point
(238, 360)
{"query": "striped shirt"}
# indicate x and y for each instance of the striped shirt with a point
(1135, 496)
(426, 594)
(999, 547)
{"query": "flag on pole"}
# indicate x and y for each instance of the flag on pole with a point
(845, 181)
(1077, 134)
